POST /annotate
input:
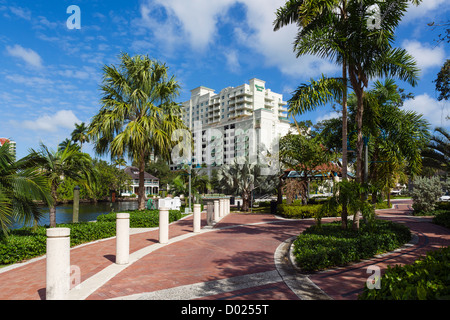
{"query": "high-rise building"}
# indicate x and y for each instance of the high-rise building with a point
(12, 145)
(242, 121)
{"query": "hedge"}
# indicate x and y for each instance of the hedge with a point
(442, 218)
(301, 211)
(26, 243)
(426, 279)
(330, 246)
(142, 219)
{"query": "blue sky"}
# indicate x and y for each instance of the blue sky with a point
(50, 74)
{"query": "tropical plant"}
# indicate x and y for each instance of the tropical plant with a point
(68, 143)
(21, 184)
(79, 134)
(426, 193)
(443, 81)
(58, 165)
(199, 183)
(242, 177)
(305, 155)
(437, 153)
(396, 136)
(138, 115)
(339, 30)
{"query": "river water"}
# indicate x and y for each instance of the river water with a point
(88, 212)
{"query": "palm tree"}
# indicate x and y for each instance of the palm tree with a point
(21, 183)
(242, 177)
(59, 165)
(120, 162)
(397, 136)
(338, 30)
(138, 115)
(437, 153)
(79, 134)
(200, 183)
(68, 143)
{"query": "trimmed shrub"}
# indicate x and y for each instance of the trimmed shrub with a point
(295, 211)
(425, 279)
(330, 245)
(142, 219)
(442, 218)
(26, 243)
(425, 194)
(23, 244)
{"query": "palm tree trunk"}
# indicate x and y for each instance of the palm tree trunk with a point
(52, 207)
(141, 191)
(344, 213)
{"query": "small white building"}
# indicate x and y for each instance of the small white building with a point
(151, 183)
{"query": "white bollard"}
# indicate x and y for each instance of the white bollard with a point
(227, 206)
(216, 210)
(221, 207)
(122, 238)
(163, 225)
(58, 264)
(197, 217)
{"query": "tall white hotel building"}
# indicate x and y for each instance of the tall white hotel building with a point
(238, 121)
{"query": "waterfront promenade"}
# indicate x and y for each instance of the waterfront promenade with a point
(244, 257)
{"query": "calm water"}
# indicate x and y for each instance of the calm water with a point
(88, 212)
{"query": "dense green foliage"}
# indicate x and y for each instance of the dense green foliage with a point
(426, 279)
(295, 211)
(26, 243)
(442, 214)
(142, 219)
(426, 194)
(330, 246)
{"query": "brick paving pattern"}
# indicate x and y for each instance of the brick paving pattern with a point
(240, 245)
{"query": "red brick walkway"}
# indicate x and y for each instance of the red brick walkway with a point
(244, 248)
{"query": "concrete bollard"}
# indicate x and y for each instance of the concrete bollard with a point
(209, 213)
(163, 225)
(197, 217)
(227, 206)
(58, 264)
(221, 207)
(216, 210)
(122, 238)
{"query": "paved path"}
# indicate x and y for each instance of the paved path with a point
(242, 258)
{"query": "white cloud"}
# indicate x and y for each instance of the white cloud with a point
(432, 110)
(196, 19)
(196, 22)
(51, 123)
(426, 10)
(29, 81)
(277, 47)
(21, 12)
(426, 55)
(232, 61)
(28, 55)
(328, 116)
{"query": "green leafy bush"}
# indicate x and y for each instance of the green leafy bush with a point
(142, 219)
(425, 194)
(26, 243)
(442, 218)
(302, 211)
(426, 279)
(330, 245)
